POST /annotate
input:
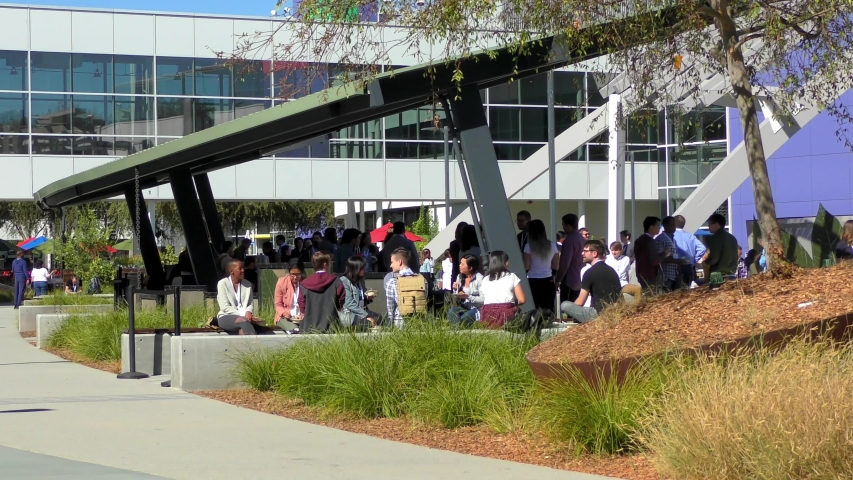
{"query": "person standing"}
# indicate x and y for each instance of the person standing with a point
(669, 261)
(689, 248)
(455, 249)
(40, 276)
(522, 221)
(568, 278)
(646, 253)
(398, 240)
(627, 245)
(241, 252)
(600, 281)
(350, 241)
(22, 277)
(541, 259)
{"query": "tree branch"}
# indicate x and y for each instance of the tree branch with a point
(710, 12)
(751, 36)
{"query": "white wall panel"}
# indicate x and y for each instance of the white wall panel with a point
(213, 35)
(362, 178)
(15, 33)
(164, 192)
(329, 179)
(572, 180)
(18, 183)
(224, 183)
(432, 180)
(284, 37)
(253, 29)
(175, 36)
(256, 179)
(293, 179)
(133, 34)
(47, 170)
(81, 164)
(92, 32)
(51, 30)
(598, 180)
(401, 181)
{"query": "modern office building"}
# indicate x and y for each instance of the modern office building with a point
(81, 87)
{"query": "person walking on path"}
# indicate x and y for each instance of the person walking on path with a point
(22, 277)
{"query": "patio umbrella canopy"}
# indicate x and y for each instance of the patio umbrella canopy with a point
(380, 233)
(32, 243)
(24, 242)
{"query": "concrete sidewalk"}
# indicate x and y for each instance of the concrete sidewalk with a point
(53, 407)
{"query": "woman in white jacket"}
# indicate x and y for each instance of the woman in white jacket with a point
(236, 312)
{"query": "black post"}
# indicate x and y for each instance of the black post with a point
(131, 339)
(177, 305)
(195, 232)
(208, 207)
(147, 241)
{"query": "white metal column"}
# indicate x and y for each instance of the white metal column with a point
(581, 213)
(616, 168)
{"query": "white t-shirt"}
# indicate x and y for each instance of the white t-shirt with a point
(539, 267)
(294, 309)
(40, 275)
(621, 265)
(446, 274)
(588, 302)
(501, 290)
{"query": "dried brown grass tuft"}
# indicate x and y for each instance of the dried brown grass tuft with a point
(758, 416)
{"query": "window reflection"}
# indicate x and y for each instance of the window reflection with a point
(248, 107)
(182, 116)
(174, 76)
(13, 70)
(13, 112)
(51, 114)
(51, 145)
(51, 72)
(92, 73)
(133, 74)
(14, 144)
(92, 114)
(133, 116)
(212, 78)
(251, 79)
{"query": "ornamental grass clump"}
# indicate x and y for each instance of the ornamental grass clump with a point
(425, 370)
(761, 416)
(60, 298)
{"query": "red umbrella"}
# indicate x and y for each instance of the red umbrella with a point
(380, 233)
(24, 242)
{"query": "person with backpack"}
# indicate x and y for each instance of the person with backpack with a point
(405, 290)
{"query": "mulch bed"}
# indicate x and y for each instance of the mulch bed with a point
(480, 441)
(701, 316)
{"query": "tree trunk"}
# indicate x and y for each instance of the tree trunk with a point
(763, 196)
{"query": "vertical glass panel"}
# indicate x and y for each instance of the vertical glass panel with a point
(14, 112)
(594, 82)
(93, 145)
(598, 153)
(401, 149)
(569, 88)
(564, 118)
(51, 114)
(174, 117)
(248, 107)
(710, 155)
(213, 78)
(691, 165)
(356, 149)
(133, 116)
(14, 144)
(534, 124)
(644, 154)
(702, 125)
(643, 128)
(133, 74)
(504, 94)
(51, 71)
(368, 130)
(208, 113)
(174, 76)
(402, 126)
(677, 196)
(534, 90)
(251, 79)
(92, 73)
(51, 145)
(92, 114)
(290, 80)
(504, 123)
(320, 149)
(13, 70)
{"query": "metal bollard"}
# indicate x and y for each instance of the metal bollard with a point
(131, 339)
(177, 306)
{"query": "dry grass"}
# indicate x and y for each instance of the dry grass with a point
(789, 416)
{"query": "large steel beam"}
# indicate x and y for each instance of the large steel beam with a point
(195, 233)
(147, 240)
(208, 207)
(487, 187)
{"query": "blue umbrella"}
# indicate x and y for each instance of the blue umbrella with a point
(702, 233)
(33, 243)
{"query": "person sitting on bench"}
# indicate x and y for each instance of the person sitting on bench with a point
(234, 295)
(321, 296)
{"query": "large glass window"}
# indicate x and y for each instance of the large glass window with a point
(92, 114)
(514, 151)
(13, 70)
(534, 124)
(534, 90)
(251, 79)
(504, 123)
(356, 149)
(133, 116)
(248, 107)
(569, 88)
(368, 130)
(51, 72)
(13, 112)
(212, 78)
(14, 144)
(174, 76)
(691, 165)
(133, 74)
(92, 73)
(294, 80)
(707, 124)
(174, 117)
(594, 83)
(415, 125)
(504, 94)
(51, 114)
(210, 112)
(52, 145)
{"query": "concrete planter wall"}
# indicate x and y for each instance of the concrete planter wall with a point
(27, 313)
(838, 328)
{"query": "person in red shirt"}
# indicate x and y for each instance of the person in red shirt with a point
(646, 253)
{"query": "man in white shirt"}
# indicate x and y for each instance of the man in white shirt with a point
(622, 265)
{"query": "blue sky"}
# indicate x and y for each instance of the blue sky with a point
(225, 7)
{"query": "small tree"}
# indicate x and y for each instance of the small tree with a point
(84, 249)
(425, 227)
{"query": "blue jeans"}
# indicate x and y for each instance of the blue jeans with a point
(457, 316)
(40, 288)
(578, 313)
(20, 288)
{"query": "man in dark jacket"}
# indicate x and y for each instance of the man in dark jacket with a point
(22, 277)
(722, 248)
(646, 253)
(456, 248)
(321, 296)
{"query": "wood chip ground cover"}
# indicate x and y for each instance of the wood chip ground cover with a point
(480, 441)
(700, 316)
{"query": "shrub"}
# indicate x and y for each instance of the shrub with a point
(428, 371)
(759, 416)
(601, 417)
(60, 298)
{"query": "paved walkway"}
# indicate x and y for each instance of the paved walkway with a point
(88, 425)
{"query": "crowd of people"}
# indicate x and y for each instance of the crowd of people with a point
(574, 275)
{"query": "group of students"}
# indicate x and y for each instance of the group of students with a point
(39, 278)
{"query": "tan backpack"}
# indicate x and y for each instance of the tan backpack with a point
(411, 294)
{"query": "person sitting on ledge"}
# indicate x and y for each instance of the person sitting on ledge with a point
(234, 295)
(72, 286)
(600, 281)
(321, 297)
(287, 291)
(354, 312)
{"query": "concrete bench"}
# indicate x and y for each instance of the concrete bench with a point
(47, 325)
(205, 362)
(27, 313)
